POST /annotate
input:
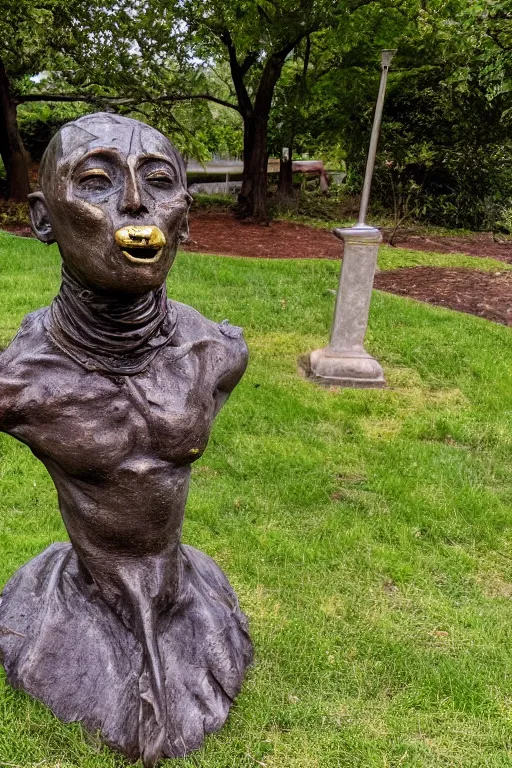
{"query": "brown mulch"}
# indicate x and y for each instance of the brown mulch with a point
(479, 293)
(222, 233)
(481, 245)
(18, 229)
(213, 232)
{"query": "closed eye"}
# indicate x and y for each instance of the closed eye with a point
(161, 178)
(94, 178)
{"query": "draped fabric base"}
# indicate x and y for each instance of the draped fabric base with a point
(61, 643)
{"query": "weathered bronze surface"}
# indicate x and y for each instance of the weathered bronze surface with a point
(115, 388)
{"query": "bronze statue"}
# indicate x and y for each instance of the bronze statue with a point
(115, 388)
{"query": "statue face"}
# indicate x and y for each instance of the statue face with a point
(113, 198)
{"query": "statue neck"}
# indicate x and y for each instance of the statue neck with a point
(117, 334)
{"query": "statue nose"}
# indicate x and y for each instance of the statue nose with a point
(131, 201)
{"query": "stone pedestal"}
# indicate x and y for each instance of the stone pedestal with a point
(344, 362)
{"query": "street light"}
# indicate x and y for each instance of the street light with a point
(344, 362)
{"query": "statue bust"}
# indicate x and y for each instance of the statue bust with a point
(115, 388)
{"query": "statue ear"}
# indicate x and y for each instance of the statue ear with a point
(39, 218)
(183, 230)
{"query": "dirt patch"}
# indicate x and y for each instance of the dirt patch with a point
(481, 245)
(467, 290)
(18, 229)
(222, 233)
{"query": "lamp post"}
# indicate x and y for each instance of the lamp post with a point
(344, 361)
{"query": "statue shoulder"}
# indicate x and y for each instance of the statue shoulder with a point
(226, 342)
(192, 326)
(19, 363)
(30, 339)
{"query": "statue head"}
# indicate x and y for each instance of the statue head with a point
(114, 198)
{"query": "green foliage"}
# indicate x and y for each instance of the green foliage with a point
(13, 214)
(205, 202)
(33, 35)
(445, 149)
(437, 159)
(326, 87)
(367, 533)
(444, 152)
(161, 55)
(39, 121)
(221, 133)
(336, 207)
(160, 59)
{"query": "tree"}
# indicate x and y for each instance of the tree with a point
(175, 45)
(436, 160)
(313, 64)
(120, 60)
(256, 38)
(30, 34)
(333, 78)
(289, 113)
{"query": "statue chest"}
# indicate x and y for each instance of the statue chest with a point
(90, 423)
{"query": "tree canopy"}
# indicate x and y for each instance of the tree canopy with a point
(252, 76)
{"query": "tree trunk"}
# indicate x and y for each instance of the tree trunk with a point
(244, 207)
(11, 146)
(253, 196)
(252, 200)
(285, 183)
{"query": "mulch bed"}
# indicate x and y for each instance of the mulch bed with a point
(18, 229)
(481, 245)
(467, 290)
(222, 233)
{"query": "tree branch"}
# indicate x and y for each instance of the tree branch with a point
(288, 48)
(307, 55)
(237, 73)
(121, 101)
(22, 98)
(272, 71)
(250, 59)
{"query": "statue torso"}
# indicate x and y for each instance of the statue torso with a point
(119, 448)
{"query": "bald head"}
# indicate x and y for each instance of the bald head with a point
(98, 131)
(106, 182)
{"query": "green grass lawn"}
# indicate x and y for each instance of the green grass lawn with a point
(396, 258)
(367, 533)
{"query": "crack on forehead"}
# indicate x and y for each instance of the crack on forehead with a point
(106, 130)
(126, 135)
(73, 137)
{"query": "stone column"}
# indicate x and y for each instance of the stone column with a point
(344, 362)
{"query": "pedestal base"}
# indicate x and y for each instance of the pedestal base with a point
(350, 368)
(62, 643)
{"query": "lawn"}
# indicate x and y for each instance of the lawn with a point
(367, 533)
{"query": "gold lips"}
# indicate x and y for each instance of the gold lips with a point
(141, 244)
